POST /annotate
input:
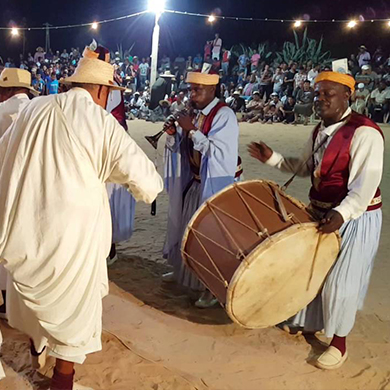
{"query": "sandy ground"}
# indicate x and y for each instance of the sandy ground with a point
(154, 339)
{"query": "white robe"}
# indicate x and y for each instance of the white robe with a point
(8, 113)
(121, 202)
(55, 217)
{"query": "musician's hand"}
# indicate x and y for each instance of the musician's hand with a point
(170, 128)
(260, 151)
(332, 221)
(185, 122)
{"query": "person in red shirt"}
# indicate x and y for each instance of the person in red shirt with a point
(226, 54)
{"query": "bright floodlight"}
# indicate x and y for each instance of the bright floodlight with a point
(14, 32)
(388, 23)
(156, 6)
(352, 24)
(94, 26)
(298, 23)
(211, 18)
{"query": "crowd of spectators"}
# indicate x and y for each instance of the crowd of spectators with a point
(257, 90)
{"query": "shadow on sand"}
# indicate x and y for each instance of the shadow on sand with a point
(142, 278)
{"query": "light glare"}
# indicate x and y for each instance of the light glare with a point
(94, 26)
(211, 19)
(352, 24)
(298, 23)
(15, 32)
(156, 6)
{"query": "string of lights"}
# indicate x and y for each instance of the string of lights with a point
(93, 25)
(210, 18)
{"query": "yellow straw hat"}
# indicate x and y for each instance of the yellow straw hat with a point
(93, 71)
(202, 78)
(17, 78)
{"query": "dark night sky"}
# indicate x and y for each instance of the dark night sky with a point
(186, 35)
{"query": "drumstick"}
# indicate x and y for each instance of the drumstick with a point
(154, 208)
(314, 260)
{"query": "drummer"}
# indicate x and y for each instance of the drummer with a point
(200, 160)
(346, 171)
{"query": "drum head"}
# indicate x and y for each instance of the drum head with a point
(281, 276)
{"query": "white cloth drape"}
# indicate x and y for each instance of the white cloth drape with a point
(55, 217)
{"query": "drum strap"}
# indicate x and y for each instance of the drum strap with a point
(287, 184)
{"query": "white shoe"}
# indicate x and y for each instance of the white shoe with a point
(169, 277)
(112, 261)
(331, 359)
(38, 362)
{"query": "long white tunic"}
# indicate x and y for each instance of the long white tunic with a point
(55, 217)
(345, 288)
(8, 113)
(9, 110)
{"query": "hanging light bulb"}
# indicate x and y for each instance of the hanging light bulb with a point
(297, 23)
(211, 19)
(352, 24)
(94, 26)
(156, 6)
(14, 31)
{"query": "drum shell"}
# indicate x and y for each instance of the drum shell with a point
(234, 224)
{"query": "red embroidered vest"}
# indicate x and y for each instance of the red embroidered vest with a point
(333, 184)
(206, 128)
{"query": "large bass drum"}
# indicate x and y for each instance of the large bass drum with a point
(259, 252)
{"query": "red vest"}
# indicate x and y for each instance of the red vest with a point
(334, 175)
(207, 127)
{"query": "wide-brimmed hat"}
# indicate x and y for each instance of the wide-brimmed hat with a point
(363, 47)
(274, 94)
(93, 71)
(366, 67)
(167, 73)
(16, 78)
(164, 101)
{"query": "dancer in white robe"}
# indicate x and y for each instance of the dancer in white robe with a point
(15, 91)
(122, 203)
(55, 217)
(346, 169)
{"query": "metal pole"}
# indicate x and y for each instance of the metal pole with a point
(155, 44)
(24, 43)
(47, 42)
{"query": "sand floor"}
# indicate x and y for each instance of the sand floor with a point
(154, 339)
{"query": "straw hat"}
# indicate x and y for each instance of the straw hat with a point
(93, 71)
(202, 78)
(161, 102)
(167, 73)
(17, 78)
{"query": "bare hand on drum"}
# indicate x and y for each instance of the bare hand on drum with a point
(332, 222)
(260, 151)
